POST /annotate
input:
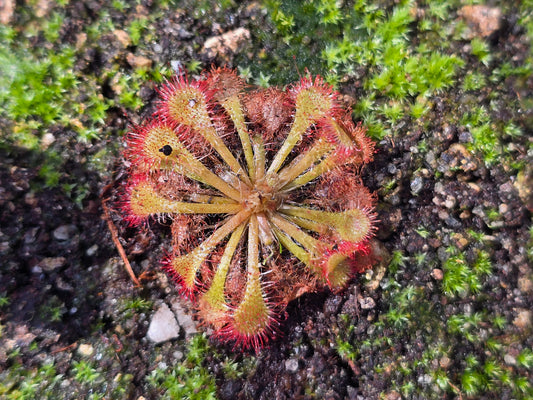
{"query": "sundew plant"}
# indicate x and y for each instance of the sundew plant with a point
(263, 192)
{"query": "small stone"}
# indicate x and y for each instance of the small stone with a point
(506, 187)
(430, 159)
(50, 264)
(64, 285)
(291, 365)
(4, 247)
(503, 208)
(184, 319)
(481, 20)
(437, 274)
(351, 392)
(163, 326)
(425, 380)
(450, 202)
(465, 137)
(226, 44)
(416, 185)
(367, 303)
(31, 199)
(47, 140)
(456, 157)
(465, 214)
(81, 39)
(177, 66)
(31, 235)
(376, 274)
(85, 350)
(91, 251)
(476, 188)
(445, 362)
(524, 186)
(36, 270)
(525, 284)
(523, 319)
(64, 232)
(439, 188)
(7, 9)
(43, 8)
(332, 304)
(393, 396)
(138, 61)
(123, 37)
(460, 241)
(443, 214)
(23, 336)
(509, 359)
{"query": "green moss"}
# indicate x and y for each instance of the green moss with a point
(460, 278)
(84, 372)
(189, 379)
(363, 36)
(474, 81)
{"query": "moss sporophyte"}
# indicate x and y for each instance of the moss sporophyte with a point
(263, 191)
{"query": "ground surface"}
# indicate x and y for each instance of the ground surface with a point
(444, 88)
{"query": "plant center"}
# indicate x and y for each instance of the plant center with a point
(262, 198)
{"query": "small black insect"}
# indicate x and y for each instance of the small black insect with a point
(166, 150)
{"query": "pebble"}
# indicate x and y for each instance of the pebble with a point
(445, 362)
(184, 319)
(31, 235)
(291, 365)
(376, 274)
(4, 247)
(503, 208)
(437, 274)
(416, 185)
(227, 43)
(91, 251)
(393, 396)
(430, 159)
(456, 157)
(525, 284)
(523, 319)
(524, 186)
(163, 326)
(50, 264)
(509, 359)
(367, 303)
(7, 11)
(85, 350)
(481, 20)
(332, 304)
(465, 137)
(123, 37)
(64, 232)
(138, 61)
(425, 380)
(450, 202)
(47, 140)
